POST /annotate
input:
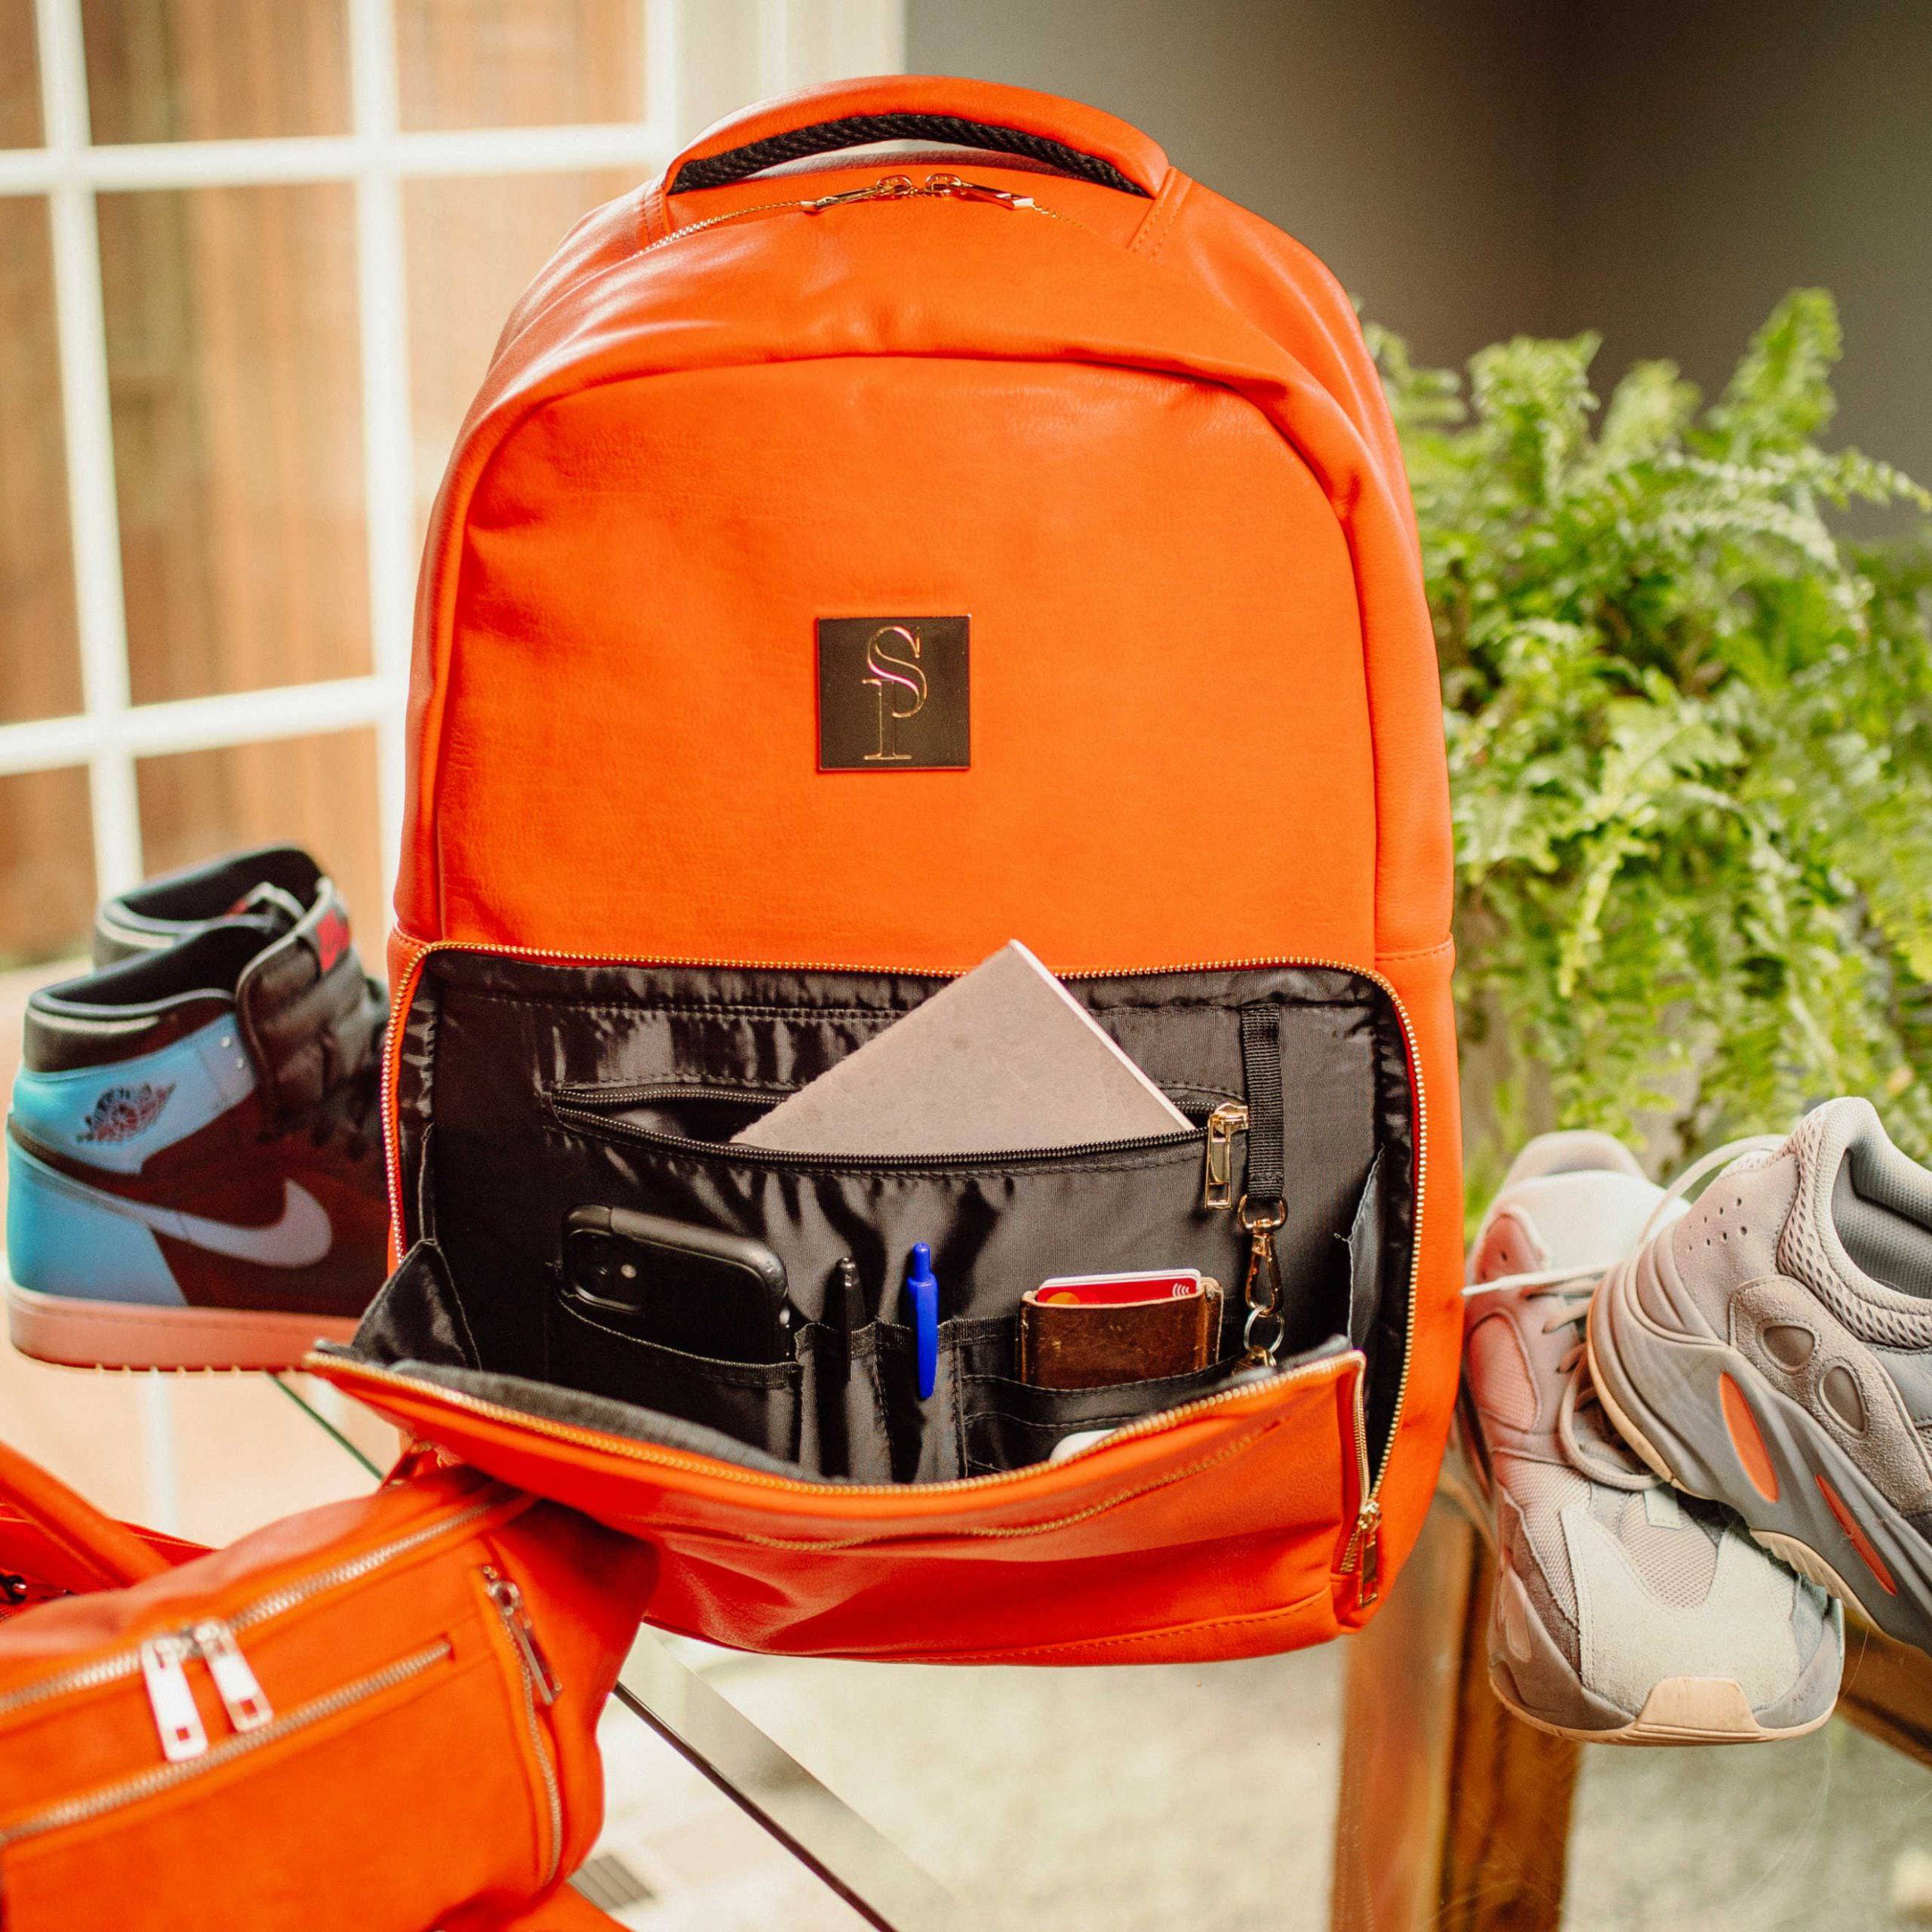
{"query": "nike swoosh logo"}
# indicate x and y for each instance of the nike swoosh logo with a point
(299, 1237)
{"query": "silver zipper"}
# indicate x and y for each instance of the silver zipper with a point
(539, 1686)
(163, 1778)
(356, 1567)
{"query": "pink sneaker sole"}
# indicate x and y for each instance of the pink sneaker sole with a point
(110, 1334)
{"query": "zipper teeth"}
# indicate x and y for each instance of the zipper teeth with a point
(736, 215)
(512, 1614)
(540, 1744)
(81, 1677)
(577, 1113)
(811, 204)
(1415, 1248)
(553, 1798)
(419, 950)
(111, 1668)
(148, 1784)
(721, 1471)
(354, 1567)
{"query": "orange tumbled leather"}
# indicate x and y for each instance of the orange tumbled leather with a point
(358, 1742)
(1133, 431)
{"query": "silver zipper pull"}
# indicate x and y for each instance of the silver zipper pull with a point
(508, 1598)
(1227, 1120)
(171, 1699)
(235, 1682)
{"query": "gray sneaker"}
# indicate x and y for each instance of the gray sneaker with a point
(1624, 1613)
(1774, 1349)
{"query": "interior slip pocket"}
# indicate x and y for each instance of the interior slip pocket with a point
(1009, 1423)
(757, 1403)
(997, 1224)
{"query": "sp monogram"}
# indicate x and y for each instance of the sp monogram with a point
(892, 694)
(896, 670)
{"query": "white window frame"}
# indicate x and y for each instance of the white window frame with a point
(797, 41)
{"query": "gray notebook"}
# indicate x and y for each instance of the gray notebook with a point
(1004, 1060)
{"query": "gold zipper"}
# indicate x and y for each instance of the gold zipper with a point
(1362, 1555)
(1217, 1186)
(887, 188)
(163, 1778)
(656, 1455)
(159, 1656)
(539, 1686)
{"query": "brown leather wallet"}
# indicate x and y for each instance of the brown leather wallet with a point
(1076, 1345)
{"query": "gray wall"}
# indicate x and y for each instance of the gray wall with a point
(1405, 142)
(1720, 154)
(1475, 168)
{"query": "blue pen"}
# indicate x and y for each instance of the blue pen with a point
(922, 1291)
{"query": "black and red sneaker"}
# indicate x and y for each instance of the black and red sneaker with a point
(195, 1162)
(163, 912)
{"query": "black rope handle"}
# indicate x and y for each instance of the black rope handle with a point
(855, 130)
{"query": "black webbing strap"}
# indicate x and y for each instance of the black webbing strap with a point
(1261, 1064)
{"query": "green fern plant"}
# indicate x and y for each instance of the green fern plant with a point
(1690, 737)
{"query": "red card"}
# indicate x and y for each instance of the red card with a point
(1119, 1290)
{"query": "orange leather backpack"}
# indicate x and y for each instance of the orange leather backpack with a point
(855, 560)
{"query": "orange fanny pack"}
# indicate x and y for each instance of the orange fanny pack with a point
(379, 1714)
(845, 570)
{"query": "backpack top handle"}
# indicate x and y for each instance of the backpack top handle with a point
(1070, 139)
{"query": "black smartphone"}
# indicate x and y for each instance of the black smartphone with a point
(678, 1283)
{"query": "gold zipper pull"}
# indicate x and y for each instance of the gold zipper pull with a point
(507, 1598)
(975, 191)
(887, 188)
(235, 1683)
(1267, 1326)
(1363, 1557)
(171, 1698)
(1227, 1120)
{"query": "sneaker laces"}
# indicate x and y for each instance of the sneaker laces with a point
(1574, 1286)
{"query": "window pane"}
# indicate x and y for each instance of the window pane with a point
(720, 70)
(519, 63)
(318, 792)
(199, 70)
(473, 245)
(19, 77)
(40, 675)
(46, 865)
(235, 366)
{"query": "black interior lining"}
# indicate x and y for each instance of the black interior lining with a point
(489, 1043)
